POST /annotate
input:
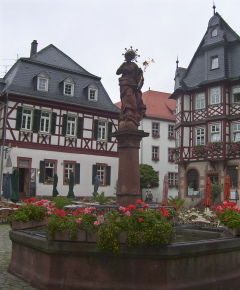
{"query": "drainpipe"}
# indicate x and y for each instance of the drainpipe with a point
(3, 141)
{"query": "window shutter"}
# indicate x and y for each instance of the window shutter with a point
(109, 131)
(42, 169)
(19, 117)
(36, 120)
(80, 127)
(53, 122)
(77, 173)
(108, 175)
(94, 173)
(64, 124)
(95, 134)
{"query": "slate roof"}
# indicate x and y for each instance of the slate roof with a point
(21, 79)
(226, 45)
(158, 105)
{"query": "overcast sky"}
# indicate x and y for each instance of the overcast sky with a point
(94, 33)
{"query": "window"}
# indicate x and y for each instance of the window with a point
(26, 119)
(215, 95)
(200, 101)
(232, 172)
(103, 172)
(236, 94)
(172, 178)
(177, 142)
(68, 88)
(170, 155)
(214, 32)
(71, 166)
(42, 82)
(155, 153)
(92, 92)
(45, 122)
(71, 126)
(170, 131)
(178, 105)
(214, 62)
(155, 130)
(236, 132)
(200, 136)
(47, 170)
(215, 133)
(102, 130)
(192, 182)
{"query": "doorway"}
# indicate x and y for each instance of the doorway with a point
(23, 184)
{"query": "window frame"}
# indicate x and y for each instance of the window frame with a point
(170, 154)
(25, 119)
(233, 174)
(200, 136)
(70, 124)
(170, 131)
(213, 132)
(42, 177)
(155, 131)
(102, 130)
(173, 179)
(155, 153)
(214, 62)
(214, 32)
(236, 94)
(201, 103)
(192, 176)
(178, 105)
(39, 84)
(45, 119)
(106, 178)
(237, 131)
(177, 140)
(66, 179)
(71, 94)
(213, 96)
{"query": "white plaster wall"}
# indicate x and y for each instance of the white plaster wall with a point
(162, 166)
(85, 188)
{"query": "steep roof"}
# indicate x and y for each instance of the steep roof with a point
(158, 105)
(21, 80)
(225, 45)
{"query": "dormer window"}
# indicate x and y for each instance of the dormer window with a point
(214, 32)
(42, 82)
(92, 92)
(236, 94)
(68, 88)
(214, 62)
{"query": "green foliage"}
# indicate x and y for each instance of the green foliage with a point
(148, 175)
(216, 189)
(229, 218)
(29, 211)
(100, 198)
(60, 201)
(176, 201)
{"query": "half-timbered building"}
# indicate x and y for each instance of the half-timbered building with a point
(207, 129)
(56, 118)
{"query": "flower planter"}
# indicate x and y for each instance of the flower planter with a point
(21, 225)
(233, 231)
(92, 237)
(65, 236)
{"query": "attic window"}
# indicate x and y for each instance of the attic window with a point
(42, 82)
(92, 93)
(214, 62)
(68, 89)
(214, 32)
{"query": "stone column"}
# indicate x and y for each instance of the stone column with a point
(128, 170)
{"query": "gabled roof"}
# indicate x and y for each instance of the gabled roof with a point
(225, 45)
(21, 80)
(158, 105)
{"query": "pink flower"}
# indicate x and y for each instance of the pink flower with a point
(97, 223)
(121, 208)
(127, 213)
(139, 202)
(78, 221)
(145, 205)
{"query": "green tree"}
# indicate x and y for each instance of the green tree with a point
(148, 175)
(216, 189)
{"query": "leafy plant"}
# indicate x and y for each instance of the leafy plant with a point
(176, 201)
(228, 214)
(216, 189)
(148, 175)
(60, 201)
(100, 198)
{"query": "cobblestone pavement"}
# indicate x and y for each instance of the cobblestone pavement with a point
(8, 281)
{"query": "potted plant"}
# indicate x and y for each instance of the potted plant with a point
(33, 213)
(199, 150)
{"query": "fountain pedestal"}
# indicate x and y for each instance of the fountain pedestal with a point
(128, 170)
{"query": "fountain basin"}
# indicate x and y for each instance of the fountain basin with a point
(203, 264)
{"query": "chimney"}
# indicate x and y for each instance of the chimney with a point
(33, 48)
